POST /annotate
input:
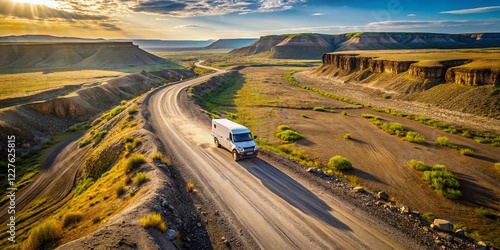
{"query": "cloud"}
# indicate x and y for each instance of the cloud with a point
(412, 14)
(415, 25)
(188, 8)
(188, 26)
(317, 14)
(110, 27)
(41, 12)
(473, 10)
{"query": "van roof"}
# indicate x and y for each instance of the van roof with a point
(231, 125)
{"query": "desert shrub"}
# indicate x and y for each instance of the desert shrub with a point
(466, 151)
(115, 111)
(72, 218)
(42, 234)
(98, 137)
(443, 182)
(153, 220)
(83, 185)
(344, 112)
(158, 156)
(414, 137)
(129, 147)
(497, 166)
(84, 142)
(386, 96)
(418, 165)
(128, 138)
(370, 116)
(123, 102)
(99, 162)
(136, 142)
(135, 161)
(132, 110)
(482, 211)
(443, 141)
(190, 186)
(393, 128)
(339, 163)
(347, 136)
(304, 116)
(286, 133)
(140, 178)
(319, 108)
(120, 190)
(73, 128)
(430, 216)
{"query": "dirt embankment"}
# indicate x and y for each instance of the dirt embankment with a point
(33, 122)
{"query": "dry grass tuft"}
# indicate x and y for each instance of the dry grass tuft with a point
(153, 220)
(72, 218)
(42, 234)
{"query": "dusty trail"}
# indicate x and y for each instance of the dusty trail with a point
(277, 211)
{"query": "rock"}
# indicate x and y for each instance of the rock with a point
(443, 225)
(171, 234)
(358, 190)
(178, 221)
(481, 245)
(171, 208)
(425, 228)
(311, 170)
(460, 232)
(405, 210)
(383, 196)
(198, 224)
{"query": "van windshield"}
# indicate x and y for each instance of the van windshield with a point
(242, 137)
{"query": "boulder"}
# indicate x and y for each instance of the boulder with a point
(358, 190)
(383, 196)
(171, 234)
(442, 225)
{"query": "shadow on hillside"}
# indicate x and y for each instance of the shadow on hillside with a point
(475, 194)
(292, 192)
(365, 175)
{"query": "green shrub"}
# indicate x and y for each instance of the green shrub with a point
(129, 138)
(42, 234)
(443, 141)
(304, 116)
(129, 147)
(136, 142)
(339, 163)
(123, 102)
(370, 116)
(84, 142)
(286, 133)
(135, 161)
(153, 220)
(497, 166)
(319, 108)
(115, 111)
(344, 112)
(414, 137)
(393, 128)
(132, 110)
(72, 218)
(443, 182)
(140, 178)
(386, 96)
(482, 211)
(418, 165)
(120, 190)
(347, 136)
(289, 135)
(466, 151)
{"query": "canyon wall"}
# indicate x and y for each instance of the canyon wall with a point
(446, 71)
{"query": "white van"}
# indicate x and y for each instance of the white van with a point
(234, 137)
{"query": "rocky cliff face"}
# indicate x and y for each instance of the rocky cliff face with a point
(312, 46)
(447, 71)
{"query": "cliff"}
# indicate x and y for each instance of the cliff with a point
(231, 43)
(312, 46)
(455, 71)
(74, 55)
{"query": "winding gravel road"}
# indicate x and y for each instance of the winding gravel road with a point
(276, 210)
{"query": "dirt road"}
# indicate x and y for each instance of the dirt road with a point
(274, 209)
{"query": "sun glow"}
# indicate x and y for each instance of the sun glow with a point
(48, 3)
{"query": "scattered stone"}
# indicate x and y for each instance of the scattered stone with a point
(460, 232)
(481, 245)
(178, 221)
(216, 212)
(164, 204)
(405, 210)
(198, 224)
(171, 234)
(443, 225)
(443, 247)
(223, 238)
(358, 190)
(425, 228)
(383, 196)
(171, 208)
(311, 170)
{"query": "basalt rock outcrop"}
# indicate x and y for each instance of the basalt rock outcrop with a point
(312, 46)
(455, 71)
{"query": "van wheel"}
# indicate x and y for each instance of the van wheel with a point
(236, 156)
(216, 142)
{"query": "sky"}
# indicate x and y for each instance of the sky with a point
(216, 19)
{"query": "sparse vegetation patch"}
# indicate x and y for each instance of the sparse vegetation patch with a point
(134, 162)
(439, 178)
(287, 134)
(153, 220)
(42, 234)
(72, 218)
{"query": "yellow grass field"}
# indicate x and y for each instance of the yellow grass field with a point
(25, 84)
